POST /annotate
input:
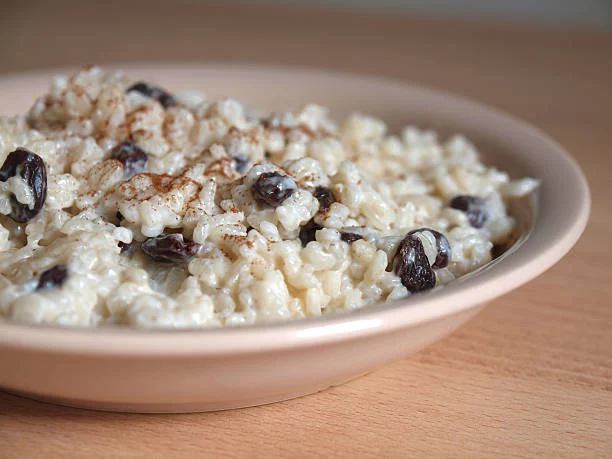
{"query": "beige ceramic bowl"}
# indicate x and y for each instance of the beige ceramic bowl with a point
(196, 370)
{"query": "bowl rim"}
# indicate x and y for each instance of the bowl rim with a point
(506, 274)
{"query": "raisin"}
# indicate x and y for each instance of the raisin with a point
(32, 169)
(443, 248)
(350, 237)
(308, 231)
(133, 158)
(411, 265)
(272, 188)
(445, 252)
(325, 196)
(154, 92)
(241, 164)
(170, 248)
(475, 208)
(498, 250)
(53, 278)
(119, 216)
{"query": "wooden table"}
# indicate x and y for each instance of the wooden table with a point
(531, 375)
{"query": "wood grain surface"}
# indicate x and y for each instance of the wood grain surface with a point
(530, 376)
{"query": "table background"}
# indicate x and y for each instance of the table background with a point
(531, 375)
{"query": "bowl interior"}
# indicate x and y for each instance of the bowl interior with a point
(555, 223)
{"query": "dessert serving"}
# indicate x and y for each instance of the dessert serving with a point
(122, 203)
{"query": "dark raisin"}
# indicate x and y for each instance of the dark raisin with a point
(154, 92)
(308, 231)
(272, 189)
(119, 216)
(53, 278)
(170, 248)
(241, 164)
(443, 248)
(133, 158)
(475, 208)
(350, 237)
(411, 265)
(267, 154)
(31, 168)
(498, 250)
(325, 196)
(445, 252)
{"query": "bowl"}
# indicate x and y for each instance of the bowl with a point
(200, 370)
